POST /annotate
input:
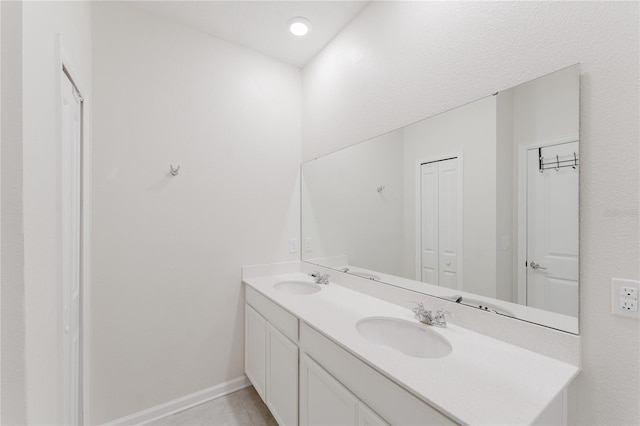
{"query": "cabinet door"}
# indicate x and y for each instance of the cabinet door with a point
(255, 333)
(367, 417)
(323, 400)
(282, 377)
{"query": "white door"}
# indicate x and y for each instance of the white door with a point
(552, 230)
(282, 377)
(429, 222)
(71, 150)
(323, 400)
(440, 222)
(448, 222)
(255, 359)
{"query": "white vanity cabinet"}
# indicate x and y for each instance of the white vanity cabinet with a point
(282, 377)
(369, 388)
(255, 349)
(367, 417)
(323, 400)
(271, 356)
(305, 378)
(308, 360)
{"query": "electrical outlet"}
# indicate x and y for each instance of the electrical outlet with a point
(629, 292)
(628, 304)
(293, 245)
(308, 247)
(624, 298)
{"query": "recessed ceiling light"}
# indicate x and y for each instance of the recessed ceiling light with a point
(299, 26)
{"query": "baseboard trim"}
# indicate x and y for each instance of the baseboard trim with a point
(183, 403)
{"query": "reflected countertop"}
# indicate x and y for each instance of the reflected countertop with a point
(522, 312)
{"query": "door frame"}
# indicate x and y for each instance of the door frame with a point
(521, 256)
(418, 211)
(64, 64)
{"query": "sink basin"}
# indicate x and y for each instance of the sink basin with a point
(411, 339)
(297, 287)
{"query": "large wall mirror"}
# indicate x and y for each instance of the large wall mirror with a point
(477, 205)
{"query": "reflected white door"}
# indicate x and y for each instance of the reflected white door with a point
(429, 225)
(448, 222)
(440, 222)
(552, 231)
(71, 247)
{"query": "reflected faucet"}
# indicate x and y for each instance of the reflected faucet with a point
(344, 270)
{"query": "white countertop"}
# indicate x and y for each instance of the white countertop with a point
(482, 381)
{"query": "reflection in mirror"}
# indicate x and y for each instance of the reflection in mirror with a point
(478, 205)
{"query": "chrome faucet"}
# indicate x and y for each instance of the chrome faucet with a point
(344, 270)
(427, 317)
(320, 278)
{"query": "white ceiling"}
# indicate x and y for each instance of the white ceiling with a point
(262, 25)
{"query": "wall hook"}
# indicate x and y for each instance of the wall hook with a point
(380, 188)
(172, 171)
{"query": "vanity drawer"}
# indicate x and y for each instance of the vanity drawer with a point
(396, 405)
(286, 323)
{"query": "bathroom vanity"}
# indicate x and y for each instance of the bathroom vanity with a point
(328, 355)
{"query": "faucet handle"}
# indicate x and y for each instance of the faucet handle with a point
(440, 319)
(419, 307)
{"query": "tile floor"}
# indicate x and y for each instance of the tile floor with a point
(241, 408)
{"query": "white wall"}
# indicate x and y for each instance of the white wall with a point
(469, 131)
(546, 108)
(12, 288)
(506, 190)
(167, 304)
(42, 22)
(422, 58)
(363, 217)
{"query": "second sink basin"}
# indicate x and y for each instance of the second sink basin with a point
(406, 337)
(297, 287)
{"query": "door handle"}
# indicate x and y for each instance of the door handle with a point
(536, 265)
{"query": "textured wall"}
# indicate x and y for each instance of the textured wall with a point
(167, 316)
(402, 61)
